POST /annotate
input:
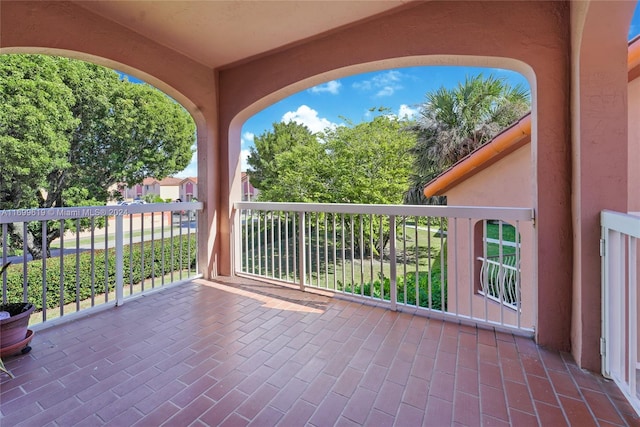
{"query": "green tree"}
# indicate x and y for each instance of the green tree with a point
(264, 172)
(369, 162)
(366, 163)
(300, 175)
(69, 130)
(35, 127)
(454, 122)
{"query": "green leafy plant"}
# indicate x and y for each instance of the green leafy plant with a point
(139, 263)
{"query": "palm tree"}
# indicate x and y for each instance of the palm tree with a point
(455, 122)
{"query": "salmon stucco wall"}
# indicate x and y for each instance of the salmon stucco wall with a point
(634, 145)
(507, 183)
(599, 155)
(64, 28)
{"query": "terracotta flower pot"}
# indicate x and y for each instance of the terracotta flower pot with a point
(14, 329)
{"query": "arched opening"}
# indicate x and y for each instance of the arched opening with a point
(633, 99)
(75, 138)
(91, 129)
(356, 98)
(259, 247)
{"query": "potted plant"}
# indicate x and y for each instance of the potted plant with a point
(14, 322)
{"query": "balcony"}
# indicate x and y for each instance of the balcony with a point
(239, 351)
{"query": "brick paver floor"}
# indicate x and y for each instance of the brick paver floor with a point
(236, 352)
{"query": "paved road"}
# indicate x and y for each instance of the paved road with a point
(99, 243)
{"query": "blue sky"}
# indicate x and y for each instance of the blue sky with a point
(401, 90)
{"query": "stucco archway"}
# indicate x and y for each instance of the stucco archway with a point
(600, 165)
(63, 28)
(420, 34)
(577, 51)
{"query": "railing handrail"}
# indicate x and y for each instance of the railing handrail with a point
(367, 252)
(624, 223)
(472, 212)
(172, 225)
(22, 215)
(620, 252)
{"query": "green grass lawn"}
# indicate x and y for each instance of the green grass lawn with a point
(99, 237)
(419, 252)
(508, 235)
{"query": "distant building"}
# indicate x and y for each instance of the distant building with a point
(189, 189)
(168, 188)
(249, 192)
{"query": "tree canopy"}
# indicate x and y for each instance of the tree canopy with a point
(70, 129)
(454, 122)
(269, 145)
(367, 163)
(364, 163)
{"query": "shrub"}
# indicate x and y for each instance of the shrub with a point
(78, 282)
(423, 290)
(438, 289)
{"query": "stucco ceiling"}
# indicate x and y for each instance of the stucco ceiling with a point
(217, 33)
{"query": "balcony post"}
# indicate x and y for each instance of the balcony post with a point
(302, 249)
(120, 260)
(393, 287)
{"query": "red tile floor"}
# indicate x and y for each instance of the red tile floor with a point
(237, 352)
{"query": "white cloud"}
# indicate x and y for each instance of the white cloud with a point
(384, 83)
(385, 91)
(308, 117)
(247, 138)
(406, 111)
(333, 87)
(243, 160)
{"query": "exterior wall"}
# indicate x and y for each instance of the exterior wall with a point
(170, 192)
(64, 28)
(249, 193)
(599, 155)
(528, 37)
(154, 188)
(579, 153)
(507, 183)
(134, 192)
(634, 145)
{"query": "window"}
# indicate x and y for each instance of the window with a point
(497, 248)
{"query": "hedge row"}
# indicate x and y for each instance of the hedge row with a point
(134, 271)
(437, 290)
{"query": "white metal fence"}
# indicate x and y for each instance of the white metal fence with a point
(422, 258)
(620, 263)
(68, 260)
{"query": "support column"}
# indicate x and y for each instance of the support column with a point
(599, 154)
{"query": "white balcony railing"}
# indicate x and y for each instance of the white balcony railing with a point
(102, 255)
(419, 258)
(620, 245)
